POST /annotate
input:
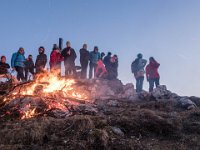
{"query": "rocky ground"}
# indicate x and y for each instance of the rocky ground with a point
(121, 119)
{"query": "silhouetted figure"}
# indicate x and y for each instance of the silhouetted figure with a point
(4, 70)
(69, 55)
(94, 57)
(152, 74)
(138, 69)
(41, 60)
(106, 59)
(29, 67)
(84, 59)
(112, 68)
(17, 63)
(3, 66)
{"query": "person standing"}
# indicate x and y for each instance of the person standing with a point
(55, 60)
(112, 68)
(17, 63)
(100, 71)
(41, 60)
(152, 74)
(94, 57)
(69, 55)
(138, 70)
(4, 66)
(4, 70)
(29, 66)
(84, 59)
(106, 59)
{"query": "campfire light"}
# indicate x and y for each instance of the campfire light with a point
(55, 92)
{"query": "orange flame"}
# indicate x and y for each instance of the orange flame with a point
(56, 92)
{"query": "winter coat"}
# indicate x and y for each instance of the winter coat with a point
(141, 63)
(17, 60)
(29, 64)
(69, 58)
(94, 57)
(55, 59)
(84, 56)
(112, 70)
(4, 68)
(152, 70)
(100, 69)
(41, 61)
(106, 60)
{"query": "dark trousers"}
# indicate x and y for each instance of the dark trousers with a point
(20, 73)
(70, 70)
(92, 69)
(153, 81)
(84, 66)
(27, 70)
(39, 69)
(139, 84)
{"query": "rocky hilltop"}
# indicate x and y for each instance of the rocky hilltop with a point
(113, 116)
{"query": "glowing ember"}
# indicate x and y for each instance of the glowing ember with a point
(28, 113)
(55, 93)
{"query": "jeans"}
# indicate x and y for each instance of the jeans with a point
(139, 84)
(92, 69)
(84, 66)
(153, 81)
(20, 73)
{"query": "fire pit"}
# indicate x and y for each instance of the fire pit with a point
(47, 94)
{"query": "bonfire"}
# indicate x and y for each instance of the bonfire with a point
(47, 93)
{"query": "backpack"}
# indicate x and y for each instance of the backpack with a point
(134, 66)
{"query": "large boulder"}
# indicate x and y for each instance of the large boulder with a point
(161, 92)
(109, 89)
(186, 103)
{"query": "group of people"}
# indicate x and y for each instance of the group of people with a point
(100, 66)
(151, 70)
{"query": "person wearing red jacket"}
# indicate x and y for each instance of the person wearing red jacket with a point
(55, 60)
(100, 71)
(152, 74)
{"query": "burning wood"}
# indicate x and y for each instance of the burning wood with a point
(46, 93)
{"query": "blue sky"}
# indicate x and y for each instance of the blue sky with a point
(169, 30)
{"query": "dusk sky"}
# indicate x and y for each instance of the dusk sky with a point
(169, 30)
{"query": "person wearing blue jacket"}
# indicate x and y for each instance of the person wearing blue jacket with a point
(93, 57)
(17, 63)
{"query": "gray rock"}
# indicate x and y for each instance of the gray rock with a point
(161, 92)
(196, 100)
(117, 131)
(185, 102)
(128, 90)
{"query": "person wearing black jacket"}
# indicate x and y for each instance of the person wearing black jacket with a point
(69, 55)
(106, 59)
(41, 60)
(3, 66)
(29, 67)
(84, 59)
(112, 68)
(4, 70)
